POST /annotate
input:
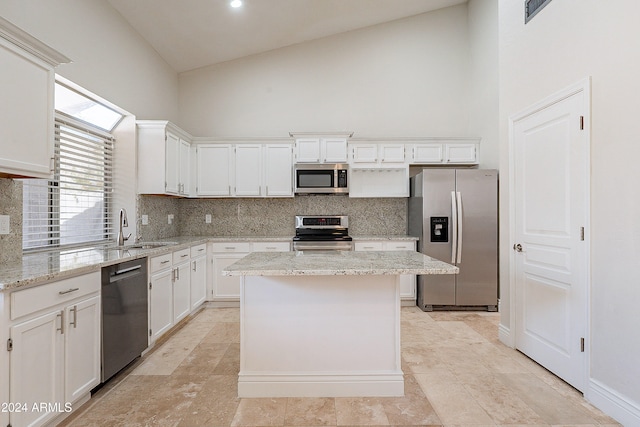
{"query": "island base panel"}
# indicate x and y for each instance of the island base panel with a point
(322, 336)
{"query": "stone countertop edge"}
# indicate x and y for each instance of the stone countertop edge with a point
(337, 264)
(34, 270)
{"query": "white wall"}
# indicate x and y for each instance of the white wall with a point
(565, 42)
(109, 58)
(483, 78)
(405, 78)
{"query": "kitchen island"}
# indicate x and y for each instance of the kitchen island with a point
(323, 323)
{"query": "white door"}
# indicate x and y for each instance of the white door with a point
(181, 291)
(213, 169)
(198, 281)
(248, 170)
(278, 171)
(550, 196)
(161, 303)
(172, 164)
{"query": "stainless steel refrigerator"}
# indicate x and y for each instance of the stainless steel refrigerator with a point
(454, 213)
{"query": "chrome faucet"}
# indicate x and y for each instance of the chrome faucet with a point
(123, 223)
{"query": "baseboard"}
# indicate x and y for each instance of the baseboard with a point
(505, 337)
(296, 385)
(613, 404)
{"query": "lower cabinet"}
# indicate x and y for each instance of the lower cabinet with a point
(54, 348)
(226, 289)
(407, 281)
(177, 286)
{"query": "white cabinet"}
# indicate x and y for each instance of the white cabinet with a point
(453, 151)
(163, 158)
(407, 281)
(226, 289)
(213, 169)
(248, 170)
(55, 346)
(375, 154)
(244, 170)
(26, 104)
(160, 296)
(198, 275)
(321, 149)
(181, 284)
(278, 174)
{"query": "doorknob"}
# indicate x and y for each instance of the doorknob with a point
(517, 247)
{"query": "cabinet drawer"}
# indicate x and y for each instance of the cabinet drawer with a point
(400, 246)
(231, 247)
(160, 262)
(181, 255)
(271, 247)
(34, 299)
(198, 250)
(368, 246)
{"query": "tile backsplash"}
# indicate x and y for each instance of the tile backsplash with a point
(267, 217)
(11, 204)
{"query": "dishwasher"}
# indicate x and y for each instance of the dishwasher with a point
(124, 315)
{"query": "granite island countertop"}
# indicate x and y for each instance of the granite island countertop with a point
(337, 263)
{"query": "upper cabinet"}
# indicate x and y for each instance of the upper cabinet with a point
(163, 158)
(376, 154)
(26, 103)
(321, 148)
(451, 151)
(244, 170)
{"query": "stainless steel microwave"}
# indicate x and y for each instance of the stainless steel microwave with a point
(326, 178)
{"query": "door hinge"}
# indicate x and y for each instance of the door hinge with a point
(582, 233)
(581, 122)
(582, 345)
(9, 344)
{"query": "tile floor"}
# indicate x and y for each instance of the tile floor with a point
(457, 373)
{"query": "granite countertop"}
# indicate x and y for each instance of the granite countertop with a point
(337, 263)
(42, 267)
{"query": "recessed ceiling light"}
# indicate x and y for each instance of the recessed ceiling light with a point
(236, 3)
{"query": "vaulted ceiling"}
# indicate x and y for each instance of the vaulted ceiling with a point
(191, 34)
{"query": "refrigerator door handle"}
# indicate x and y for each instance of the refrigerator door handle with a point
(454, 227)
(459, 226)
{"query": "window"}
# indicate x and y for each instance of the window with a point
(74, 207)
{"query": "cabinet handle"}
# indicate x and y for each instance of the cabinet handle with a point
(164, 262)
(173, 275)
(368, 247)
(177, 274)
(195, 266)
(185, 255)
(230, 248)
(273, 248)
(75, 316)
(201, 249)
(61, 316)
(68, 291)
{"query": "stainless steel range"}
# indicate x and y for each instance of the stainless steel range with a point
(322, 233)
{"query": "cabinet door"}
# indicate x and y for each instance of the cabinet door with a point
(407, 281)
(26, 122)
(213, 169)
(392, 153)
(161, 303)
(364, 153)
(184, 168)
(248, 170)
(367, 246)
(278, 170)
(308, 150)
(181, 291)
(172, 164)
(82, 348)
(461, 153)
(427, 153)
(198, 281)
(225, 288)
(36, 366)
(334, 150)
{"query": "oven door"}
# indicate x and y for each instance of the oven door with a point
(322, 245)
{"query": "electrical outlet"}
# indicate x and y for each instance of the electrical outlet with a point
(170, 219)
(4, 224)
(145, 219)
(207, 218)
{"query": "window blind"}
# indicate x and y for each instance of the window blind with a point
(75, 207)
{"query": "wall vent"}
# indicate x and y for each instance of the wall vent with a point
(532, 7)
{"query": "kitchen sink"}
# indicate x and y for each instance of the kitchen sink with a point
(144, 245)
